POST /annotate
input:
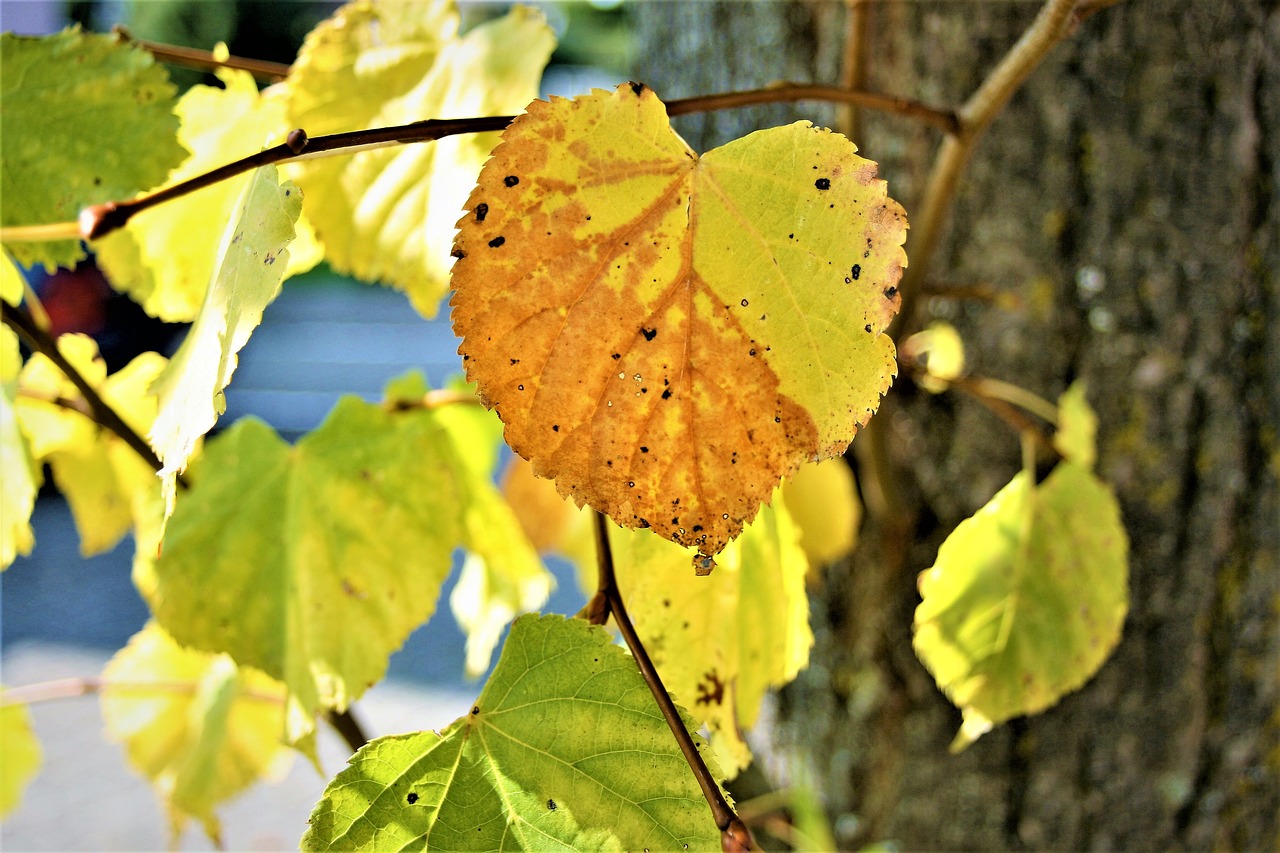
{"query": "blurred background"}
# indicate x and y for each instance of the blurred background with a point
(63, 616)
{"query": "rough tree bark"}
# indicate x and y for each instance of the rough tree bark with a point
(1127, 206)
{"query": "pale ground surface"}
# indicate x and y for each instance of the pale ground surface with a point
(86, 797)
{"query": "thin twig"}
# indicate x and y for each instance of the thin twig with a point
(853, 65)
(944, 120)
(204, 60)
(733, 832)
(348, 726)
(97, 221)
(1055, 21)
(42, 342)
(71, 688)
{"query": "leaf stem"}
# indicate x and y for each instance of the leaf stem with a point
(733, 832)
(204, 60)
(102, 414)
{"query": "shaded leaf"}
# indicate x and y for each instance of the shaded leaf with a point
(78, 109)
(668, 335)
(22, 755)
(19, 474)
(201, 729)
(564, 750)
(388, 214)
(247, 280)
(106, 483)
(1027, 598)
(166, 256)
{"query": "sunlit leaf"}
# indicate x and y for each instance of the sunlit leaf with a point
(104, 480)
(823, 502)
(564, 750)
(166, 256)
(200, 729)
(388, 215)
(20, 753)
(87, 118)
(748, 621)
(11, 280)
(254, 260)
(280, 554)
(1076, 438)
(668, 335)
(1026, 599)
(19, 474)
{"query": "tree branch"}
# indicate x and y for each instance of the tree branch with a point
(1057, 19)
(102, 414)
(204, 60)
(608, 599)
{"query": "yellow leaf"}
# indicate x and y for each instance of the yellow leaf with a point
(388, 214)
(19, 475)
(165, 257)
(668, 335)
(103, 479)
(823, 503)
(11, 282)
(20, 754)
(1076, 438)
(197, 726)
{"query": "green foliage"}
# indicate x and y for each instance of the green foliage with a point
(112, 102)
(751, 287)
(563, 750)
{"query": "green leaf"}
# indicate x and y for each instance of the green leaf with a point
(20, 751)
(1076, 438)
(197, 726)
(248, 279)
(104, 480)
(388, 214)
(21, 477)
(165, 257)
(1027, 598)
(87, 119)
(279, 555)
(564, 750)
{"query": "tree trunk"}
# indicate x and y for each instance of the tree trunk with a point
(1126, 208)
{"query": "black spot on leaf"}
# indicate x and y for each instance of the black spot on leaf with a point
(637, 88)
(482, 210)
(411, 799)
(458, 253)
(649, 334)
(551, 805)
(496, 242)
(856, 271)
(890, 292)
(823, 183)
(511, 180)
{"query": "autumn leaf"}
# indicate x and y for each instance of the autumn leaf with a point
(22, 755)
(388, 214)
(197, 726)
(564, 749)
(668, 335)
